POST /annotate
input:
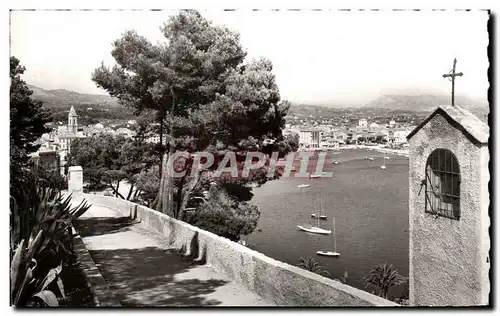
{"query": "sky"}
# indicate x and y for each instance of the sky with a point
(319, 57)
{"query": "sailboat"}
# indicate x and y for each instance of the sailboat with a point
(315, 229)
(314, 215)
(383, 167)
(305, 185)
(333, 253)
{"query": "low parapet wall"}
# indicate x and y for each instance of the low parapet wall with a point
(277, 282)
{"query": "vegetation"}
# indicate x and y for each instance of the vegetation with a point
(147, 185)
(41, 245)
(312, 265)
(27, 124)
(383, 277)
(40, 219)
(224, 216)
(91, 114)
(198, 86)
(109, 160)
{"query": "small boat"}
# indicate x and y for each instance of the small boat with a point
(370, 158)
(387, 157)
(383, 167)
(303, 185)
(335, 162)
(323, 217)
(328, 253)
(315, 175)
(333, 253)
(315, 230)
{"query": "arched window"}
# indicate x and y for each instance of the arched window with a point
(442, 184)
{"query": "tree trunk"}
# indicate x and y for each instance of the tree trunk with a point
(164, 200)
(161, 140)
(137, 193)
(157, 203)
(130, 192)
(185, 194)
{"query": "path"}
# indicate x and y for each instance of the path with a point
(141, 270)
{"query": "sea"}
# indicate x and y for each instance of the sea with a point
(370, 206)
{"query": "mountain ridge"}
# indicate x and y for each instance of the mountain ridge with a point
(64, 98)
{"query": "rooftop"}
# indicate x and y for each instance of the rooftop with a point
(72, 112)
(469, 124)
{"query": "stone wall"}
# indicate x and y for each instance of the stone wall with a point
(276, 281)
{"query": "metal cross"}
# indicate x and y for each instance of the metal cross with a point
(452, 76)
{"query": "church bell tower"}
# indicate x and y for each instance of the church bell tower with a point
(72, 121)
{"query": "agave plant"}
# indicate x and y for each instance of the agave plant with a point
(384, 277)
(39, 225)
(312, 265)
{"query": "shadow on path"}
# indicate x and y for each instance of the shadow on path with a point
(148, 276)
(95, 226)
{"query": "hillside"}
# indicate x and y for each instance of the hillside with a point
(427, 102)
(422, 102)
(62, 98)
(91, 108)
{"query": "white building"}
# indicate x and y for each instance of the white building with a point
(363, 123)
(125, 132)
(374, 126)
(309, 138)
(400, 136)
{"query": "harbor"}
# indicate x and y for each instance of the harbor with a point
(370, 206)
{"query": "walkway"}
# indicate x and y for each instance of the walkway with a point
(141, 270)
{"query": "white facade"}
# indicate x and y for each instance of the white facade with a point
(363, 123)
(309, 138)
(374, 126)
(400, 136)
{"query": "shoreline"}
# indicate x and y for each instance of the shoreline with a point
(398, 152)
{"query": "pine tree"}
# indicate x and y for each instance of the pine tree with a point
(27, 124)
(207, 99)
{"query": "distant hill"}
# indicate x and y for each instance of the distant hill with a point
(422, 102)
(91, 108)
(426, 103)
(62, 98)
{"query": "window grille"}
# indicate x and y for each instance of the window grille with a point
(442, 184)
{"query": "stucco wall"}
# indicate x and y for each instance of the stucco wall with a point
(448, 257)
(276, 281)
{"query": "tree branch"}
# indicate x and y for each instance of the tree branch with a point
(115, 191)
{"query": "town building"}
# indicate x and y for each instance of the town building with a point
(125, 132)
(309, 138)
(59, 140)
(363, 123)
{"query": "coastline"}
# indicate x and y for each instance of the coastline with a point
(398, 152)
